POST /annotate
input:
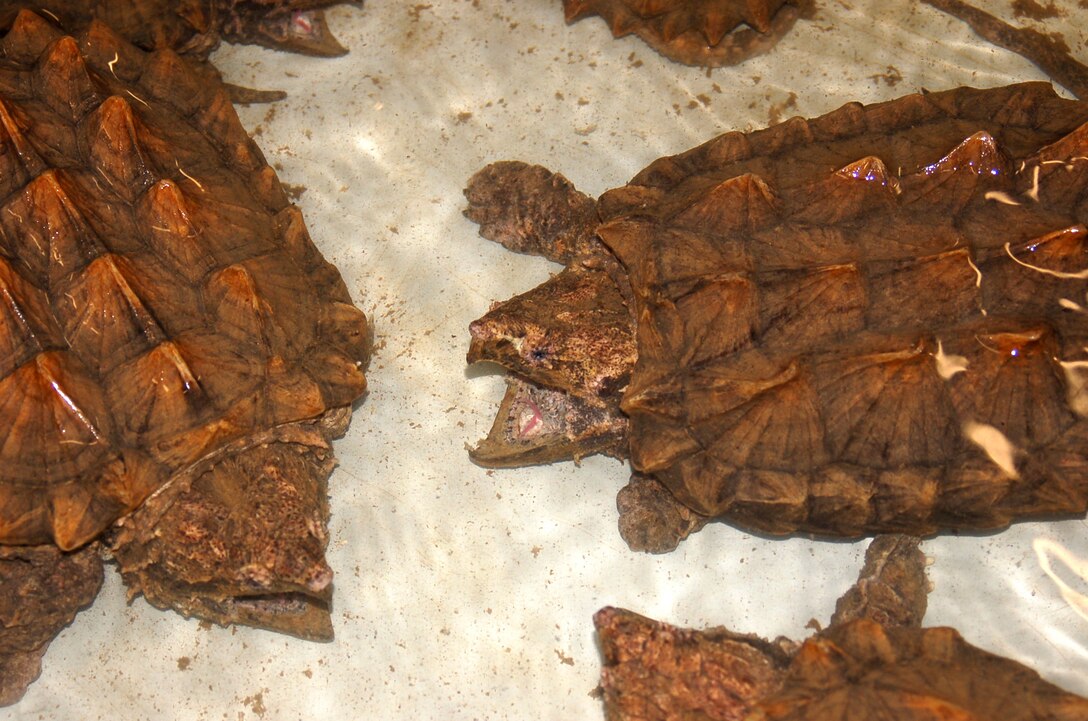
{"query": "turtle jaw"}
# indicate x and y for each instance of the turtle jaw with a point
(303, 614)
(536, 425)
(297, 26)
(294, 599)
(570, 347)
(544, 415)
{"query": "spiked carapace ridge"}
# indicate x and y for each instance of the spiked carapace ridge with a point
(698, 32)
(871, 321)
(167, 327)
(873, 662)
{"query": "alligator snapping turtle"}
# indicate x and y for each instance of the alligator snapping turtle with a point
(697, 32)
(869, 322)
(194, 28)
(873, 662)
(175, 353)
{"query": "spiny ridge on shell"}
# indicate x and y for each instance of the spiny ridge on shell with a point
(159, 296)
(871, 321)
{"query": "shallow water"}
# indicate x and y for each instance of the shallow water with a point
(463, 593)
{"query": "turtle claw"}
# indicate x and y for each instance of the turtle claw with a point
(241, 95)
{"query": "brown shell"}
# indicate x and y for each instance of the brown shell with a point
(710, 33)
(900, 674)
(160, 299)
(869, 321)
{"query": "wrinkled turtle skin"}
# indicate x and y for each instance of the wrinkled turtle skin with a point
(873, 662)
(175, 353)
(194, 28)
(868, 322)
(710, 33)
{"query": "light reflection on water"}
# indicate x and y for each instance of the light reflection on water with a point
(1047, 550)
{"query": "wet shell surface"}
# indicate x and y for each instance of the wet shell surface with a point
(871, 321)
(167, 329)
(710, 33)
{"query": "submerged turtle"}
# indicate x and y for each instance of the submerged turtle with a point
(873, 321)
(698, 32)
(175, 353)
(873, 662)
(194, 28)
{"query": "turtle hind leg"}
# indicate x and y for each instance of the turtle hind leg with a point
(651, 519)
(530, 209)
(892, 586)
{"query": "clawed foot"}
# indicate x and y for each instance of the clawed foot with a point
(530, 209)
(651, 519)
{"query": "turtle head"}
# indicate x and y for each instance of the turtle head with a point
(296, 26)
(240, 541)
(569, 345)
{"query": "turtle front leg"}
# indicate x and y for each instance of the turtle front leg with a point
(530, 209)
(41, 590)
(892, 588)
(651, 519)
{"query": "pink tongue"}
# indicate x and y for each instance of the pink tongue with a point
(301, 26)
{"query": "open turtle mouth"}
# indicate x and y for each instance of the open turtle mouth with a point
(569, 345)
(291, 27)
(537, 425)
